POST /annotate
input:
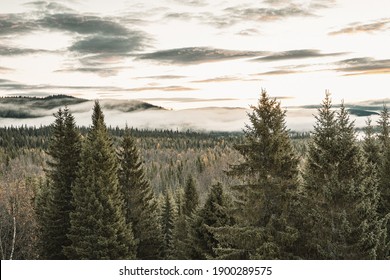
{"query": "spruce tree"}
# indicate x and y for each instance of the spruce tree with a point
(384, 139)
(384, 172)
(370, 145)
(55, 201)
(168, 221)
(214, 214)
(340, 192)
(269, 173)
(140, 204)
(187, 205)
(191, 197)
(98, 224)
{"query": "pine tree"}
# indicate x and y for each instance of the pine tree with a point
(168, 221)
(340, 193)
(384, 172)
(55, 201)
(187, 205)
(98, 224)
(191, 197)
(269, 172)
(140, 204)
(214, 214)
(370, 145)
(384, 138)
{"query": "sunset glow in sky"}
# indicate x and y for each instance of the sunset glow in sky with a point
(186, 54)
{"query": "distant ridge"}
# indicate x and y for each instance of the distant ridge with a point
(25, 107)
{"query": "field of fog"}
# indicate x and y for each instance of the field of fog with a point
(121, 113)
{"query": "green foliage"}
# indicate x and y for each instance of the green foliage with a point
(168, 221)
(98, 225)
(141, 207)
(187, 206)
(340, 193)
(214, 214)
(384, 174)
(55, 200)
(269, 174)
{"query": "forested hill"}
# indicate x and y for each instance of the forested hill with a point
(23, 107)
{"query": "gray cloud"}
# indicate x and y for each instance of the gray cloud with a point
(48, 6)
(319, 4)
(11, 24)
(278, 72)
(363, 66)
(218, 80)
(377, 26)
(84, 24)
(17, 86)
(101, 71)
(197, 55)
(249, 32)
(13, 51)
(295, 54)
(167, 88)
(268, 14)
(163, 77)
(272, 10)
(108, 45)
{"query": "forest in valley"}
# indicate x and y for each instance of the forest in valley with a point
(97, 192)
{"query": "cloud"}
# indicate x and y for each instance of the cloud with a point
(278, 72)
(197, 55)
(189, 99)
(5, 70)
(363, 66)
(218, 80)
(268, 14)
(248, 32)
(295, 54)
(11, 24)
(17, 86)
(167, 88)
(108, 45)
(48, 6)
(353, 28)
(320, 4)
(101, 71)
(14, 51)
(163, 77)
(97, 35)
(84, 24)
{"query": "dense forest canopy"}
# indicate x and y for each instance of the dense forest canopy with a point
(264, 193)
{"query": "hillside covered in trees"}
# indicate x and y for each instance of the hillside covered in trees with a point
(70, 192)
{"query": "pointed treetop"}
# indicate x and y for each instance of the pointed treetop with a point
(97, 116)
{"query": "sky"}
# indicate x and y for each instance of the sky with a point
(184, 54)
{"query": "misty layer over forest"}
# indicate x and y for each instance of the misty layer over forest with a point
(92, 191)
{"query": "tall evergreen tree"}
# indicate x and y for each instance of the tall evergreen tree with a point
(341, 194)
(187, 205)
(214, 214)
(140, 204)
(269, 172)
(370, 145)
(55, 201)
(384, 138)
(168, 221)
(384, 172)
(191, 197)
(98, 224)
